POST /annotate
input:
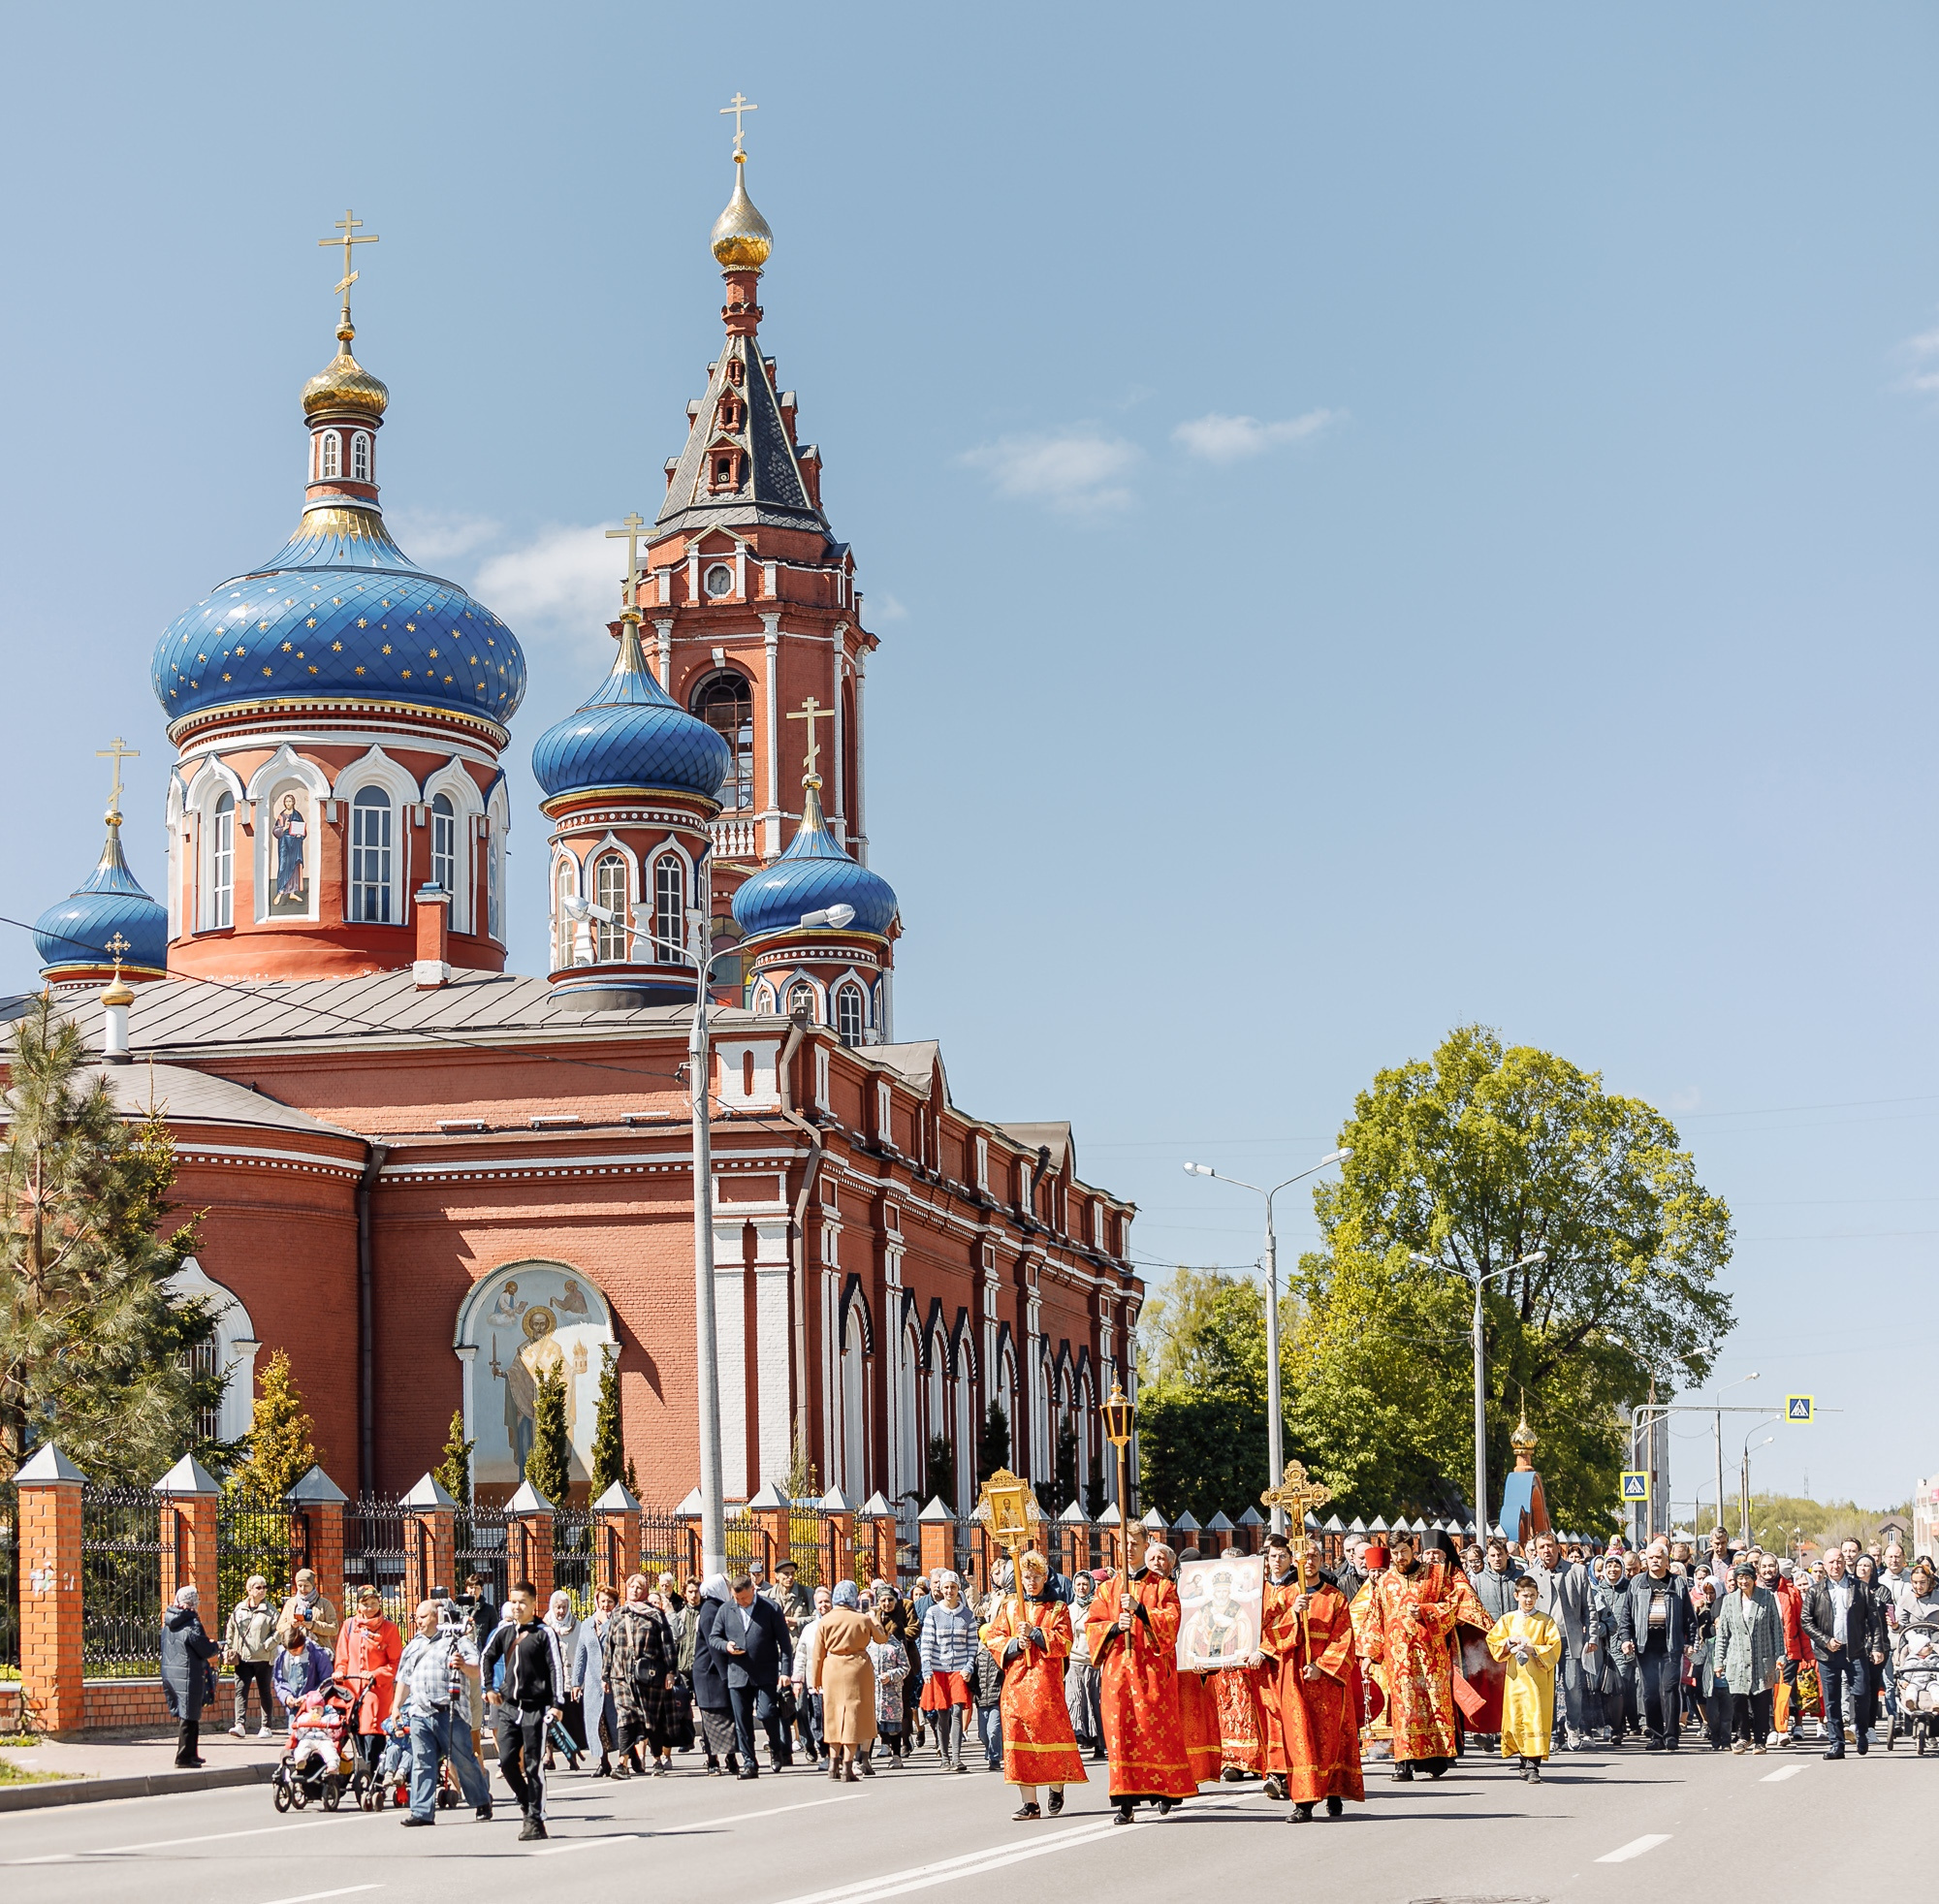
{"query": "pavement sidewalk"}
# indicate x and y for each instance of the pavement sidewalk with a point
(134, 1765)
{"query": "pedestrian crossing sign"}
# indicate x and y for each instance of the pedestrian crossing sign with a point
(1798, 1408)
(1636, 1485)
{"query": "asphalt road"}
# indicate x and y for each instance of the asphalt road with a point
(1600, 1825)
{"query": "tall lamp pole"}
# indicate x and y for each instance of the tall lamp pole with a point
(1480, 1278)
(1744, 1487)
(1275, 1454)
(1738, 1383)
(706, 1322)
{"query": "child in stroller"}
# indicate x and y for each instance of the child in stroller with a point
(1915, 1666)
(320, 1761)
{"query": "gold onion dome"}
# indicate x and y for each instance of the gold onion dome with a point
(344, 384)
(742, 240)
(1522, 1441)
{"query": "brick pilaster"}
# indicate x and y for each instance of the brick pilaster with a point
(618, 1554)
(433, 1553)
(837, 1546)
(938, 1542)
(885, 1547)
(531, 1550)
(47, 1551)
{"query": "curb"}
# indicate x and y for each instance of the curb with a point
(145, 1785)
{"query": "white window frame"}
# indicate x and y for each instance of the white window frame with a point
(669, 902)
(849, 992)
(372, 885)
(609, 890)
(360, 456)
(330, 455)
(564, 932)
(219, 908)
(446, 857)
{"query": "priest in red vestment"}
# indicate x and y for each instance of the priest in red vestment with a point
(1310, 1640)
(1412, 1612)
(1039, 1747)
(1134, 1637)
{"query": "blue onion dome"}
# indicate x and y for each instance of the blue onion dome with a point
(74, 935)
(814, 873)
(339, 611)
(632, 736)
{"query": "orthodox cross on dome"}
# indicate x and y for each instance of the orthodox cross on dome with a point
(118, 948)
(1298, 1496)
(118, 752)
(740, 105)
(811, 712)
(349, 225)
(631, 528)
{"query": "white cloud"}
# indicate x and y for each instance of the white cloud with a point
(1219, 438)
(1923, 352)
(1079, 470)
(440, 535)
(883, 607)
(561, 584)
(1686, 1099)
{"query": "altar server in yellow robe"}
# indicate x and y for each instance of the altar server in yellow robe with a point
(1528, 1645)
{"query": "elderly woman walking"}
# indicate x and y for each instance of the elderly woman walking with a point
(844, 1677)
(1750, 1650)
(641, 1654)
(711, 1695)
(188, 1679)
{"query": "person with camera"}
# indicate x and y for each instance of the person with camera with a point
(435, 1676)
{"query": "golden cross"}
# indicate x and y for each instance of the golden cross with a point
(1297, 1496)
(118, 752)
(349, 225)
(118, 949)
(738, 107)
(812, 711)
(631, 528)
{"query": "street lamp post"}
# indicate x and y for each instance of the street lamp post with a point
(1738, 1383)
(1480, 1278)
(1745, 1485)
(1275, 1454)
(706, 1322)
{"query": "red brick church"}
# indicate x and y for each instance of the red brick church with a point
(428, 1179)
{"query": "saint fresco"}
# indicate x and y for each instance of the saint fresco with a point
(540, 1319)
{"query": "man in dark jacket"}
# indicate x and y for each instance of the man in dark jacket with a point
(749, 1640)
(1653, 1630)
(1846, 1629)
(524, 1674)
(188, 1679)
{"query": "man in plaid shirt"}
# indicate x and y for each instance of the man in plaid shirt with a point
(434, 1691)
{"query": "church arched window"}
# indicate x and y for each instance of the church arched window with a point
(221, 908)
(669, 908)
(370, 857)
(495, 884)
(764, 999)
(332, 454)
(801, 999)
(360, 456)
(725, 702)
(609, 891)
(849, 1013)
(444, 845)
(565, 885)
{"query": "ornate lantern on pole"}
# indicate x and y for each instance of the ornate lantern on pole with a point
(1119, 1417)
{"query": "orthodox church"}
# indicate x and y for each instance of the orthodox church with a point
(430, 1180)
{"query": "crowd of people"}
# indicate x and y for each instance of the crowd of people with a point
(1391, 1653)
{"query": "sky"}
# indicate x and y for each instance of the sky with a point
(1377, 519)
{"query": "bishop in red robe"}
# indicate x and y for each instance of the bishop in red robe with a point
(1310, 1638)
(1133, 1632)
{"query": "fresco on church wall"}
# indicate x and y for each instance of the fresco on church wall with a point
(528, 1320)
(289, 853)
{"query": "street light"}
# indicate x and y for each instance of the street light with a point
(713, 1504)
(1724, 1390)
(1744, 1484)
(1480, 1278)
(1274, 1462)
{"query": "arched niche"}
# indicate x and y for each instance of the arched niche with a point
(234, 1351)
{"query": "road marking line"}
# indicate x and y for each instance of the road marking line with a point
(742, 1818)
(1634, 1847)
(920, 1876)
(1783, 1772)
(169, 1844)
(311, 1897)
(561, 1845)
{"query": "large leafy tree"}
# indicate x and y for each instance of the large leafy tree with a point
(1476, 1160)
(95, 1345)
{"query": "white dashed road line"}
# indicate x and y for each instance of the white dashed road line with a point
(169, 1844)
(311, 1897)
(1634, 1847)
(921, 1877)
(1782, 1773)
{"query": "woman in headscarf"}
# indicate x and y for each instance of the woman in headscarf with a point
(188, 1679)
(846, 1679)
(641, 1651)
(890, 1658)
(579, 1648)
(710, 1682)
(1039, 1747)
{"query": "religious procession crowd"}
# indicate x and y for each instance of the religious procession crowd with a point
(1389, 1654)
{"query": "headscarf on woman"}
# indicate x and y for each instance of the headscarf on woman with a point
(846, 1594)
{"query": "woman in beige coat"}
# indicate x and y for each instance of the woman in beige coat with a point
(840, 1672)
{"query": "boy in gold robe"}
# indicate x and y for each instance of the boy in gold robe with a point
(1528, 1645)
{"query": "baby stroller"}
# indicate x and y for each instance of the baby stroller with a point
(1915, 1665)
(320, 1761)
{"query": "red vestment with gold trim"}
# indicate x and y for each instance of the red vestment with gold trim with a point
(1317, 1720)
(1242, 1718)
(1407, 1620)
(1137, 1689)
(1039, 1748)
(1198, 1719)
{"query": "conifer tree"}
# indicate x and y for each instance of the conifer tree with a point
(632, 1480)
(548, 1466)
(993, 1451)
(1065, 1490)
(609, 1445)
(454, 1467)
(281, 1442)
(938, 1473)
(92, 1336)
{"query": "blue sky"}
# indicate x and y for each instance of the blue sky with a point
(1376, 519)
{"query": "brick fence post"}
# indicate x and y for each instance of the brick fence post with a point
(1112, 1527)
(770, 1511)
(935, 1529)
(318, 1504)
(1251, 1533)
(835, 1560)
(431, 1555)
(618, 1556)
(689, 1511)
(189, 1496)
(1074, 1543)
(46, 1552)
(530, 1549)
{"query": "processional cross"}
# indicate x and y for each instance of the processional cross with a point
(811, 712)
(118, 752)
(349, 225)
(1298, 1496)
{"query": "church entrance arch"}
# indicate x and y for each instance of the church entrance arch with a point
(518, 1324)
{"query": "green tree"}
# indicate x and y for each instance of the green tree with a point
(95, 1345)
(1476, 1160)
(609, 1445)
(938, 1473)
(548, 1466)
(281, 1442)
(454, 1467)
(1064, 1490)
(993, 1447)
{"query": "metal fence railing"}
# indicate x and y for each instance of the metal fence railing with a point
(381, 1536)
(482, 1550)
(669, 1543)
(575, 1555)
(258, 1534)
(124, 1540)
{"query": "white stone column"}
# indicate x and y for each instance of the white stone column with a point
(467, 1357)
(730, 1334)
(771, 640)
(838, 816)
(665, 630)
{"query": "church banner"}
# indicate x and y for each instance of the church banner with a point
(1219, 1611)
